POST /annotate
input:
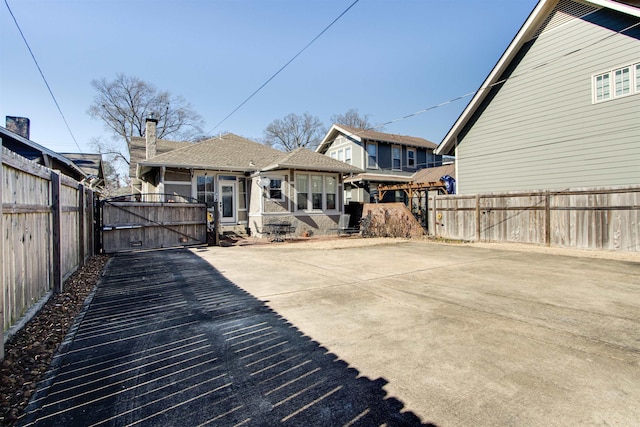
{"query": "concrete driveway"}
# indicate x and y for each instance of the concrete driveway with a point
(463, 334)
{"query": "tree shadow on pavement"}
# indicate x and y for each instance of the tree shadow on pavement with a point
(168, 340)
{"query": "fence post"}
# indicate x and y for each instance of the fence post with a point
(1, 260)
(478, 234)
(81, 225)
(56, 215)
(90, 223)
(547, 218)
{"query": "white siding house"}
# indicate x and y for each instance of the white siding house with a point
(561, 108)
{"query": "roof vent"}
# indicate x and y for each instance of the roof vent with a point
(565, 11)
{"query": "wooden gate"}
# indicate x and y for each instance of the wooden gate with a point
(133, 225)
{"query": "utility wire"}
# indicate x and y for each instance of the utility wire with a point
(43, 77)
(284, 66)
(497, 83)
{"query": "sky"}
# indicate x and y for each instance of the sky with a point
(386, 58)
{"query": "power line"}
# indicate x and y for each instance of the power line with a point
(42, 75)
(284, 66)
(497, 83)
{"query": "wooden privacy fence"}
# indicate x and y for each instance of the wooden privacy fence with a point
(131, 225)
(47, 233)
(607, 218)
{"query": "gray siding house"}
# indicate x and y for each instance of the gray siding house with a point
(561, 108)
(385, 158)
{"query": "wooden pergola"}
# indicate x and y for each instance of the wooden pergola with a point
(416, 195)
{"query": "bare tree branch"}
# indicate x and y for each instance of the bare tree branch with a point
(294, 131)
(124, 103)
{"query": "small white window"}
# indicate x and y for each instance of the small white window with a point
(623, 78)
(603, 91)
(411, 158)
(331, 191)
(347, 155)
(372, 155)
(397, 158)
(334, 155)
(275, 189)
(340, 155)
(637, 78)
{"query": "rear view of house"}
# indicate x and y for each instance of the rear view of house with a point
(561, 108)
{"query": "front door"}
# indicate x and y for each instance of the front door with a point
(227, 192)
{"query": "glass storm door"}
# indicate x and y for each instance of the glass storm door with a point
(227, 201)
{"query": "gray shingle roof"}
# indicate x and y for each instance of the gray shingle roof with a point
(303, 158)
(434, 174)
(138, 150)
(227, 152)
(373, 135)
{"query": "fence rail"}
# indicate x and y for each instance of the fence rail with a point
(600, 218)
(47, 233)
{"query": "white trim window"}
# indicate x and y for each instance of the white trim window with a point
(616, 83)
(334, 155)
(302, 190)
(411, 158)
(330, 188)
(396, 158)
(275, 189)
(316, 192)
(341, 155)
(347, 155)
(372, 155)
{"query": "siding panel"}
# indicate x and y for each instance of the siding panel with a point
(541, 129)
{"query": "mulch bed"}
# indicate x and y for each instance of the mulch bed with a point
(28, 354)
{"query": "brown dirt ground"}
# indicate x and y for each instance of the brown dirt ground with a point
(29, 352)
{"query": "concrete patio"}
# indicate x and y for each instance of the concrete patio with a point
(353, 332)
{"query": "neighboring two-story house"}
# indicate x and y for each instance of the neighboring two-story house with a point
(385, 158)
(561, 108)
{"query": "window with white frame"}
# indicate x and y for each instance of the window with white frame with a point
(372, 155)
(347, 155)
(334, 155)
(340, 155)
(396, 161)
(316, 192)
(616, 83)
(275, 189)
(330, 187)
(302, 188)
(204, 190)
(411, 158)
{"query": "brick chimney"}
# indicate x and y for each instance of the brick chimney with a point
(19, 125)
(150, 133)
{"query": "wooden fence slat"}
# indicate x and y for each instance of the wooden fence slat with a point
(582, 218)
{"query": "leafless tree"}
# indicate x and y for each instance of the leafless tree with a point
(294, 131)
(124, 103)
(353, 119)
